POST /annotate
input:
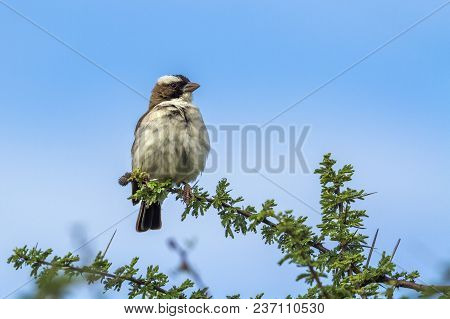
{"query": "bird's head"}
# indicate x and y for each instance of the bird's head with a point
(170, 87)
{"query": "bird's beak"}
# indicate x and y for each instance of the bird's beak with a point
(191, 87)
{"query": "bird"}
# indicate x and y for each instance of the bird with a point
(171, 142)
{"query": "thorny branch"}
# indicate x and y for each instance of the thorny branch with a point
(318, 245)
(346, 262)
(84, 270)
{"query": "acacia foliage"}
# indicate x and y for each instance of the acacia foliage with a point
(340, 270)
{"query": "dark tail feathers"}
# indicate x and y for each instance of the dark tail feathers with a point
(149, 217)
(134, 189)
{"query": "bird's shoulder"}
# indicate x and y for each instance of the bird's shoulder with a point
(173, 109)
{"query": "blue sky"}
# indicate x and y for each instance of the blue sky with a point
(66, 127)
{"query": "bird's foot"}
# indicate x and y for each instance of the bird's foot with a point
(187, 193)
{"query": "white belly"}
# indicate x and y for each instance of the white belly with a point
(171, 143)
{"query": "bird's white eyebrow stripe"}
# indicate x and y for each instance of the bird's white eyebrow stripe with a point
(167, 79)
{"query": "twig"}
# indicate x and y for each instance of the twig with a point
(109, 243)
(185, 265)
(372, 248)
(315, 275)
(340, 205)
(321, 248)
(247, 214)
(395, 249)
(368, 194)
(86, 270)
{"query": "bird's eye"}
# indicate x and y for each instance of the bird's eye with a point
(173, 85)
